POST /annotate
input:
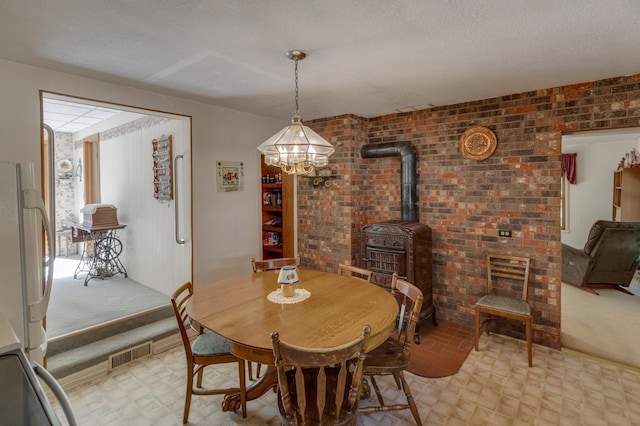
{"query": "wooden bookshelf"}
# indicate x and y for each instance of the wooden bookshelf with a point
(626, 195)
(277, 213)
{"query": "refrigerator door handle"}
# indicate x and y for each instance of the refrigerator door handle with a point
(57, 391)
(33, 200)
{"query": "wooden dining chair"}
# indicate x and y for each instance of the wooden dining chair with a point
(269, 265)
(208, 348)
(392, 357)
(507, 295)
(272, 264)
(355, 272)
(319, 386)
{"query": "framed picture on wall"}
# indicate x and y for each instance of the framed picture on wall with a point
(230, 176)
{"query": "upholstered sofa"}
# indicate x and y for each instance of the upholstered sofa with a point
(610, 256)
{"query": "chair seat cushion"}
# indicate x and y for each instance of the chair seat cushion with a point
(210, 343)
(507, 304)
(387, 357)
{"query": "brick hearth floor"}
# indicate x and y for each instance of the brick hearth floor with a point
(493, 387)
(442, 349)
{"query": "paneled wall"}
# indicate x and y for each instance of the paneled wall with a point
(464, 201)
(150, 253)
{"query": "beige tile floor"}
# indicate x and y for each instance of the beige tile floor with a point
(493, 387)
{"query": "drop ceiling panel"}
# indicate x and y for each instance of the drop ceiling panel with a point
(69, 117)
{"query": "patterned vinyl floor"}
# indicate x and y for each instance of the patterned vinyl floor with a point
(493, 387)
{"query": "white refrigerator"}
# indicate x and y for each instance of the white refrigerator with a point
(26, 273)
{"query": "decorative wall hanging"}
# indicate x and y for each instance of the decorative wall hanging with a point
(230, 176)
(630, 160)
(65, 169)
(162, 170)
(322, 177)
(478, 143)
(64, 166)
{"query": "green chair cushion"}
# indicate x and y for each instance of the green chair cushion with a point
(507, 304)
(210, 343)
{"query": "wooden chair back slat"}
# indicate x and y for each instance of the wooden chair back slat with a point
(272, 264)
(315, 374)
(179, 299)
(410, 299)
(197, 363)
(507, 278)
(515, 268)
(392, 357)
(354, 271)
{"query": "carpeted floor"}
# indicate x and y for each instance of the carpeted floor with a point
(602, 325)
(442, 349)
(73, 306)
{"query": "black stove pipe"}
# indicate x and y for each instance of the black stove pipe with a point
(407, 154)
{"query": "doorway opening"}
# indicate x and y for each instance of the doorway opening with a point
(591, 324)
(98, 154)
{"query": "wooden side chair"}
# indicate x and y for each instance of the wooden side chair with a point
(319, 386)
(208, 348)
(355, 272)
(269, 265)
(272, 264)
(511, 302)
(392, 357)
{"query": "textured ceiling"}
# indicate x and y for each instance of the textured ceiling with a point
(365, 57)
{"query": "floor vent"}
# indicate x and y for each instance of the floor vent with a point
(129, 355)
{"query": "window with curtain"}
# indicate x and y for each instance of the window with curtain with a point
(563, 212)
(568, 175)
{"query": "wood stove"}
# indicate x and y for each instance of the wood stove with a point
(405, 248)
(400, 246)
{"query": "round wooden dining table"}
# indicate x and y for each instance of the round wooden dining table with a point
(337, 309)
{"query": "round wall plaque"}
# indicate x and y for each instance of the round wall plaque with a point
(477, 143)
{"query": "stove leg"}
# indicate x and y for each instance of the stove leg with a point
(429, 312)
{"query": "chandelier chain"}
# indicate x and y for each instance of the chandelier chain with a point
(296, 149)
(296, 75)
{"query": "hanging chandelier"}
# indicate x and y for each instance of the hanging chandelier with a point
(296, 149)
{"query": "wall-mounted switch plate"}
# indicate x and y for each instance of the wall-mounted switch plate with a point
(504, 233)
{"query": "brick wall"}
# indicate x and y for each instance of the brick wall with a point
(329, 218)
(464, 201)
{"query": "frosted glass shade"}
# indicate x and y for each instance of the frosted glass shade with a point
(296, 149)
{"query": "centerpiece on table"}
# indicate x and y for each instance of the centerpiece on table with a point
(288, 278)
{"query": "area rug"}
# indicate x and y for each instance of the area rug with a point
(442, 349)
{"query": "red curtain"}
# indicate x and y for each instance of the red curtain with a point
(569, 167)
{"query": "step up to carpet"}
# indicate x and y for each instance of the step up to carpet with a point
(82, 357)
(83, 337)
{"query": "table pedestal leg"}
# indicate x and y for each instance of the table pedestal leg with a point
(261, 386)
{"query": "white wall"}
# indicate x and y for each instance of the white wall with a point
(591, 198)
(226, 231)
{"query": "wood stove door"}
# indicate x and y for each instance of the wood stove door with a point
(386, 262)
